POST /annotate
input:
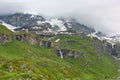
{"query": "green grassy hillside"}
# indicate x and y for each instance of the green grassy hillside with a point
(22, 61)
(4, 30)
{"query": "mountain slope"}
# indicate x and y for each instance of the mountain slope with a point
(40, 63)
(40, 25)
(21, 60)
(4, 30)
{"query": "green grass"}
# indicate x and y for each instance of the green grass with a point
(40, 63)
(46, 64)
(4, 30)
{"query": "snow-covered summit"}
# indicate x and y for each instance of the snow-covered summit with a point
(110, 39)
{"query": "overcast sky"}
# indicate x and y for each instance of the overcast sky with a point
(103, 15)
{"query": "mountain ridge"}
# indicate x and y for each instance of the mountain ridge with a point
(55, 25)
(28, 56)
(40, 25)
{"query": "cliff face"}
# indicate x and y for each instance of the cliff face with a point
(40, 25)
(65, 53)
(24, 38)
(116, 50)
(102, 47)
(107, 48)
(5, 38)
(22, 20)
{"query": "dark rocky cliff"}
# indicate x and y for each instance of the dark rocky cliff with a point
(33, 40)
(102, 47)
(69, 53)
(106, 48)
(21, 19)
(5, 38)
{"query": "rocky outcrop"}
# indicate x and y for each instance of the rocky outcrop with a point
(65, 53)
(102, 46)
(32, 40)
(5, 38)
(28, 38)
(76, 27)
(21, 19)
(46, 44)
(116, 50)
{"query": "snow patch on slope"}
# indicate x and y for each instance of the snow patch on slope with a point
(94, 35)
(40, 22)
(32, 16)
(109, 39)
(57, 40)
(55, 22)
(10, 27)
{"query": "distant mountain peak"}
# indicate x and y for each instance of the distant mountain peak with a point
(39, 25)
(21, 19)
(55, 25)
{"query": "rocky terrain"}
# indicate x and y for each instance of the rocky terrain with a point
(40, 25)
(34, 48)
(102, 47)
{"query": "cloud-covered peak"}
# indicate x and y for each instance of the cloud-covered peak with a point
(103, 15)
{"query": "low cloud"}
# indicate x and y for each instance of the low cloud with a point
(7, 7)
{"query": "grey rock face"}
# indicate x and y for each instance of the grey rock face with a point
(69, 53)
(24, 38)
(32, 40)
(22, 20)
(100, 34)
(5, 38)
(101, 47)
(38, 24)
(78, 28)
(116, 50)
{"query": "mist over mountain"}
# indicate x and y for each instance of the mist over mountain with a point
(103, 15)
(40, 25)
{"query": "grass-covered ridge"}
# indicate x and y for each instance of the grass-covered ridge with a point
(20, 60)
(4, 30)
